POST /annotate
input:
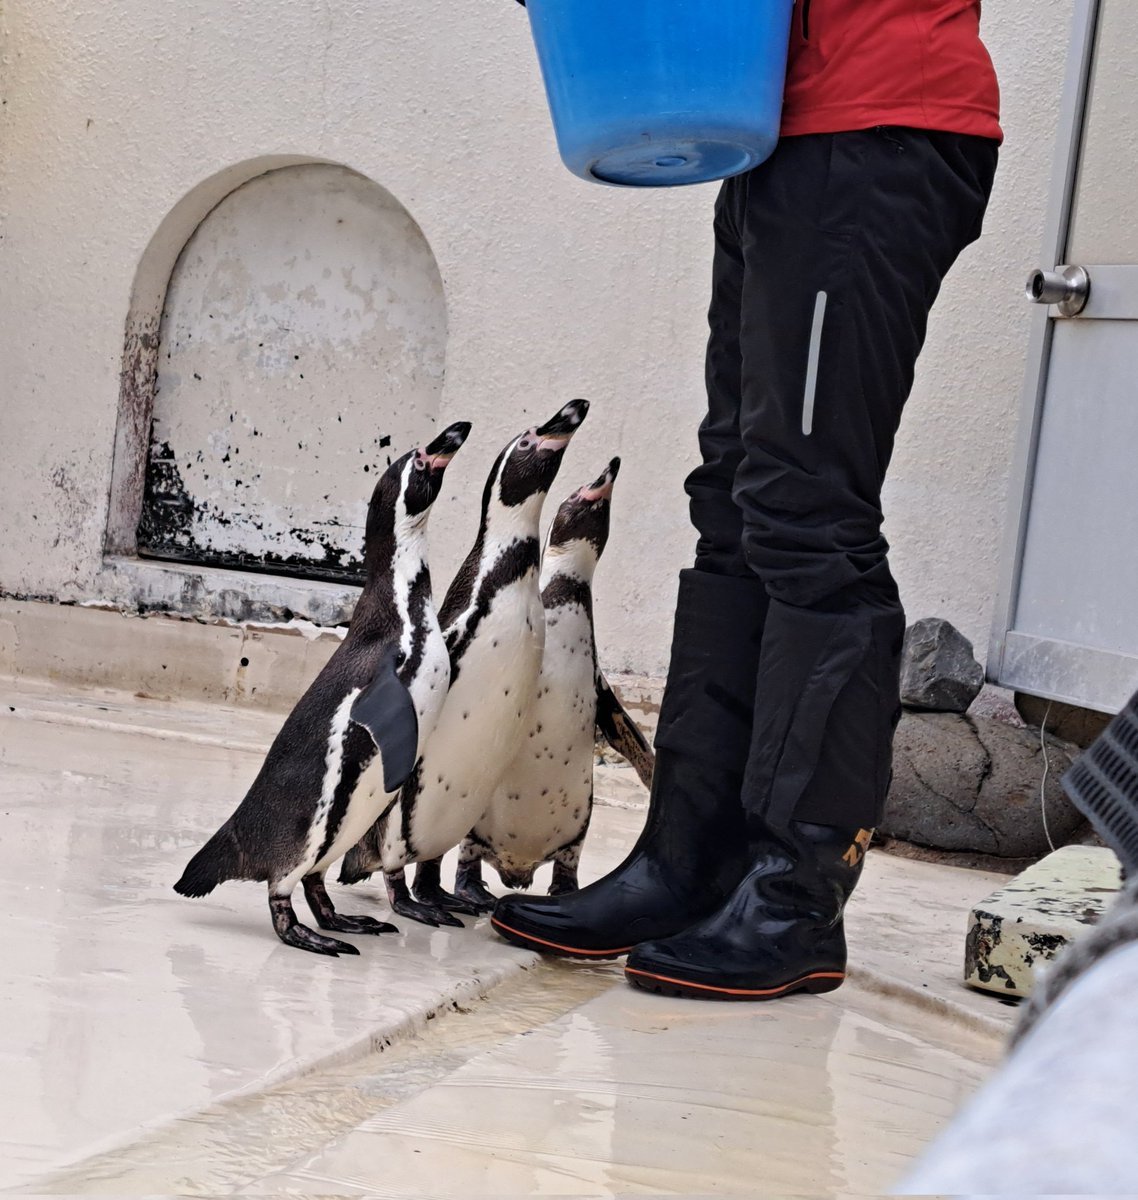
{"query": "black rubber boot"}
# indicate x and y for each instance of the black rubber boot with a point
(814, 787)
(692, 851)
(780, 932)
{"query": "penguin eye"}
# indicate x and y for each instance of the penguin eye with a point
(527, 442)
(420, 464)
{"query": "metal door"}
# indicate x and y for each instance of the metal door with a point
(1066, 624)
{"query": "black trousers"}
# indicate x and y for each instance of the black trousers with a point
(828, 258)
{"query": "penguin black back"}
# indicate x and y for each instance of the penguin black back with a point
(372, 703)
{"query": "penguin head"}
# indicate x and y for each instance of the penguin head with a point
(581, 528)
(405, 492)
(528, 466)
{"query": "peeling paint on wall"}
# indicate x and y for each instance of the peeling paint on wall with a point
(301, 349)
(136, 393)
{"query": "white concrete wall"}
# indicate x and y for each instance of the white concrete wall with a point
(122, 124)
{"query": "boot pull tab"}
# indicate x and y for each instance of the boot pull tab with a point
(858, 848)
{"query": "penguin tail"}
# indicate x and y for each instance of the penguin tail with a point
(218, 860)
(360, 861)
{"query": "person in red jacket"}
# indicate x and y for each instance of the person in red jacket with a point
(776, 727)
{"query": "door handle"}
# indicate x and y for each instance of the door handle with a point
(1068, 288)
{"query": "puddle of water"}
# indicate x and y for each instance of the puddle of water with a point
(626, 1094)
(643, 1095)
(228, 1146)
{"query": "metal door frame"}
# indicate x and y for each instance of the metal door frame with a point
(1017, 660)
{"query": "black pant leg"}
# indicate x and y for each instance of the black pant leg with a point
(846, 239)
(717, 518)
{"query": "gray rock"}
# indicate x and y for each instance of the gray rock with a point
(939, 672)
(999, 704)
(972, 784)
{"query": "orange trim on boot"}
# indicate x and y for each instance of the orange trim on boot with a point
(529, 937)
(726, 991)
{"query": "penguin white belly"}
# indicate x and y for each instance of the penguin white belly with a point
(369, 800)
(543, 799)
(480, 728)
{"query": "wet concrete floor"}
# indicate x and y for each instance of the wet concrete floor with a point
(155, 1045)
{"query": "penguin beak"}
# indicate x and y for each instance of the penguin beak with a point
(555, 433)
(552, 443)
(601, 489)
(437, 454)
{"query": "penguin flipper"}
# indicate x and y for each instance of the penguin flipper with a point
(622, 733)
(385, 709)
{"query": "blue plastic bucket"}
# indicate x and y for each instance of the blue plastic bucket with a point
(655, 93)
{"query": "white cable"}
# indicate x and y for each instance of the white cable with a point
(1046, 770)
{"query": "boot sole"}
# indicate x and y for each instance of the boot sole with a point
(663, 985)
(529, 942)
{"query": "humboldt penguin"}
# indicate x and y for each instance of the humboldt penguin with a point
(540, 810)
(494, 626)
(355, 735)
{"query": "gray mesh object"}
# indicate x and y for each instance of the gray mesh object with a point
(1103, 785)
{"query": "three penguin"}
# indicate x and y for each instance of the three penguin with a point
(541, 809)
(354, 737)
(424, 730)
(494, 625)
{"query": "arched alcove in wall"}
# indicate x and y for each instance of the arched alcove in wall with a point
(300, 346)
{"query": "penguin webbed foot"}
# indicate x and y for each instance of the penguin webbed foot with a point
(293, 933)
(328, 918)
(428, 889)
(402, 902)
(342, 923)
(468, 887)
(425, 914)
(476, 896)
(303, 938)
(564, 880)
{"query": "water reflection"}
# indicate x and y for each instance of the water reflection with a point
(634, 1093)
